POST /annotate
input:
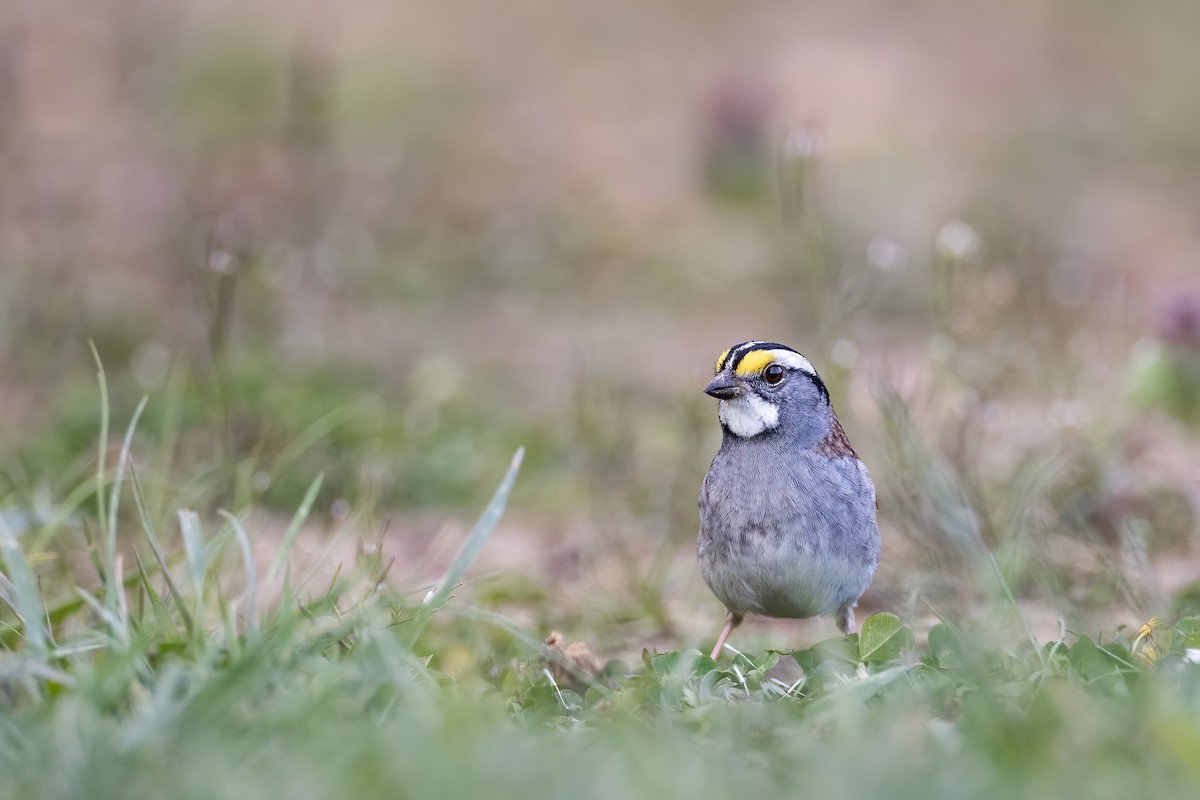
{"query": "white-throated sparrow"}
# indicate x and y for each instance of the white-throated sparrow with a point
(787, 509)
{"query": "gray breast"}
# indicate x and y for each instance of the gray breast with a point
(787, 535)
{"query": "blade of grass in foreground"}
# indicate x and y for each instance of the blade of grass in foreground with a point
(194, 549)
(102, 458)
(250, 571)
(24, 589)
(289, 538)
(114, 597)
(155, 547)
(1016, 609)
(479, 535)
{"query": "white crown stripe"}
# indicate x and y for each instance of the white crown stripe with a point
(789, 358)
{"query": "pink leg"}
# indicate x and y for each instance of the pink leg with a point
(731, 622)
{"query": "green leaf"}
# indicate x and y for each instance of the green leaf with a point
(931, 683)
(595, 693)
(663, 665)
(1090, 662)
(1120, 654)
(701, 664)
(767, 661)
(841, 652)
(570, 700)
(882, 638)
(946, 648)
(1189, 633)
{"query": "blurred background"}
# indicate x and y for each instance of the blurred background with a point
(389, 242)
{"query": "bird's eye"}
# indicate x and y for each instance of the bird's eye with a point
(773, 374)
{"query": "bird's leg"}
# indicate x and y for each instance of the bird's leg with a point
(731, 621)
(845, 619)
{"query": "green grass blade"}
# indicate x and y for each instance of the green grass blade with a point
(339, 538)
(27, 598)
(7, 592)
(122, 601)
(110, 619)
(139, 500)
(114, 596)
(171, 428)
(479, 536)
(162, 622)
(194, 550)
(102, 459)
(298, 519)
(251, 572)
(1016, 609)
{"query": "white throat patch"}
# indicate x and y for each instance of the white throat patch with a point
(748, 415)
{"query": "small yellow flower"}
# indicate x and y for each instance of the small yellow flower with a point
(1145, 644)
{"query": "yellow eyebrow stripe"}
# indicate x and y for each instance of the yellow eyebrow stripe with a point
(754, 362)
(721, 360)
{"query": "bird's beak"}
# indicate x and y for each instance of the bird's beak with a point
(724, 387)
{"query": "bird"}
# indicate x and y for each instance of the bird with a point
(787, 509)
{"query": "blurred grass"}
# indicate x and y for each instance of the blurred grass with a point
(150, 687)
(332, 418)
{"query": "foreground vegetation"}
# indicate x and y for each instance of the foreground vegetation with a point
(169, 679)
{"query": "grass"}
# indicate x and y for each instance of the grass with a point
(171, 674)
